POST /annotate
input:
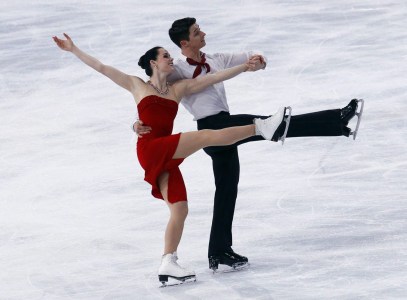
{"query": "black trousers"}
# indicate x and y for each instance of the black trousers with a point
(226, 168)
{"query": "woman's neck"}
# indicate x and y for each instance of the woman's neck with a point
(159, 84)
(159, 81)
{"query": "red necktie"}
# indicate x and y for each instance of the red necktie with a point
(198, 69)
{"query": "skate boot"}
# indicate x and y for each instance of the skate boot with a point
(268, 127)
(229, 258)
(281, 132)
(171, 269)
(349, 111)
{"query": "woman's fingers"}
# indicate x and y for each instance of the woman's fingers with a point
(67, 37)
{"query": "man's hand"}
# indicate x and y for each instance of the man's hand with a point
(140, 129)
(258, 61)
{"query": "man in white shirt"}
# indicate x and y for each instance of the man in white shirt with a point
(211, 111)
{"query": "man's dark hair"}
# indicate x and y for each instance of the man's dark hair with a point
(144, 61)
(179, 30)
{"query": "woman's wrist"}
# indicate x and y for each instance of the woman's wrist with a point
(74, 48)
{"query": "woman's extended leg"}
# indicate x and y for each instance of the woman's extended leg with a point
(190, 142)
(178, 214)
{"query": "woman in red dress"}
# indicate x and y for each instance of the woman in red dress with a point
(160, 152)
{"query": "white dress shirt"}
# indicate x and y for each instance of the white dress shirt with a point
(211, 100)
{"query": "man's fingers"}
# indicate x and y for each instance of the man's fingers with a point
(143, 129)
(140, 129)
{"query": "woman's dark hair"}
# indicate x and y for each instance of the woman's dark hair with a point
(144, 61)
(179, 30)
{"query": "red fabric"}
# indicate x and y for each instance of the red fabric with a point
(199, 65)
(156, 149)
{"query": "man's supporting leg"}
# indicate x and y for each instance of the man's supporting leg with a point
(226, 170)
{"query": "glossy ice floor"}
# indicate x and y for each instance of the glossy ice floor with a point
(320, 218)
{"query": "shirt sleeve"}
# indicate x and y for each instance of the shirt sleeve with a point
(234, 59)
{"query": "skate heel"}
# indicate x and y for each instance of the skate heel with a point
(214, 263)
(163, 278)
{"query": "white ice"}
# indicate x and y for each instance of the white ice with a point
(320, 218)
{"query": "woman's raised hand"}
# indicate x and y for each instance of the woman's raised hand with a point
(66, 45)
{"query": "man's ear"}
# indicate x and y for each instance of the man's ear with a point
(184, 43)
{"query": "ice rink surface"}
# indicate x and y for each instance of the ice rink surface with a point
(320, 218)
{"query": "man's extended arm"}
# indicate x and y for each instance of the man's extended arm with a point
(234, 59)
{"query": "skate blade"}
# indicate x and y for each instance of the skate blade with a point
(359, 115)
(234, 268)
(167, 281)
(287, 121)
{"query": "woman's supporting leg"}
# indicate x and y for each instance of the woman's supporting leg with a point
(178, 214)
(190, 142)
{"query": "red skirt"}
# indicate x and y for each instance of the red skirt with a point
(156, 157)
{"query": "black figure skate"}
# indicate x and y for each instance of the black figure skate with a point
(229, 258)
(351, 110)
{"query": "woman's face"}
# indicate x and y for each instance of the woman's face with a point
(164, 61)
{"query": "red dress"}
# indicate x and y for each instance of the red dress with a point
(156, 149)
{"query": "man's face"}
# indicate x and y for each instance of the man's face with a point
(196, 37)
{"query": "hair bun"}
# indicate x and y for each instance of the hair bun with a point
(142, 62)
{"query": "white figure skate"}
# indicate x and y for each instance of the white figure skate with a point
(171, 269)
(267, 127)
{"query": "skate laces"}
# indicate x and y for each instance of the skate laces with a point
(174, 259)
(351, 107)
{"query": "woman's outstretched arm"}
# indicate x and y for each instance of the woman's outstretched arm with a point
(124, 80)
